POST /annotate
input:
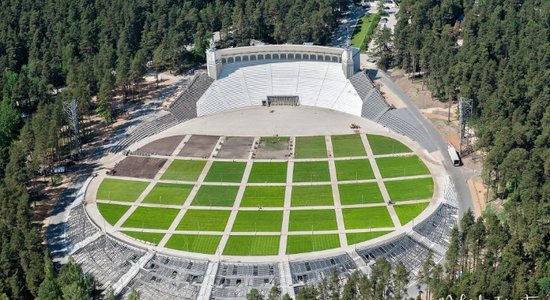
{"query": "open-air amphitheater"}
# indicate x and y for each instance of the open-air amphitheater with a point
(254, 92)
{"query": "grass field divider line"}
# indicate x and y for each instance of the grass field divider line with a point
(128, 178)
(142, 196)
(380, 182)
(336, 193)
(292, 146)
(405, 202)
(286, 208)
(217, 147)
(235, 210)
(151, 205)
(393, 154)
(186, 205)
(407, 177)
(181, 145)
(253, 149)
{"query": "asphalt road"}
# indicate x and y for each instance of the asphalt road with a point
(459, 175)
(344, 31)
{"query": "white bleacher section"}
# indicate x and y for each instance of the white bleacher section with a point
(107, 260)
(437, 227)
(315, 270)
(401, 121)
(165, 277)
(78, 227)
(404, 249)
(243, 84)
(235, 280)
(374, 104)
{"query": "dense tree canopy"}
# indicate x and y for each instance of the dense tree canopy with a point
(55, 52)
(498, 54)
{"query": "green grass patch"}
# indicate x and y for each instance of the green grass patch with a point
(310, 147)
(355, 238)
(268, 172)
(252, 245)
(355, 169)
(275, 143)
(312, 220)
(169, 194)
(185, 170)
(311, 171)
(401, 166)
(386, 145)
(364, 31)
(348, 145)
(112, 212)
(411, 189)
(225, 171)
(120, 190)
(256, 221)
(215, 195)
(151, 218)
(407, 212)
(312, 195)
(204, 220)
(313, 242)
(367, 217)
(151, 237)
(263, 196)
(206, 244)
(360, 193)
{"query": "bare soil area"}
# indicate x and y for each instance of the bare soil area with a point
(199, 146)
(236, 147)
(140, 167)
(163, 146)
(273, 150)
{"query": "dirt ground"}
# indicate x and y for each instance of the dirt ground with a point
(419, 93)
(199, 146)
(164, 146)
(278, 150)
(236, 147)
(140, 167)
(390, 97)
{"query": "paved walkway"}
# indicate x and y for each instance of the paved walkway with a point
(336, 194)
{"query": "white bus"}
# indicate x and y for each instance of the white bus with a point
(455, 157)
